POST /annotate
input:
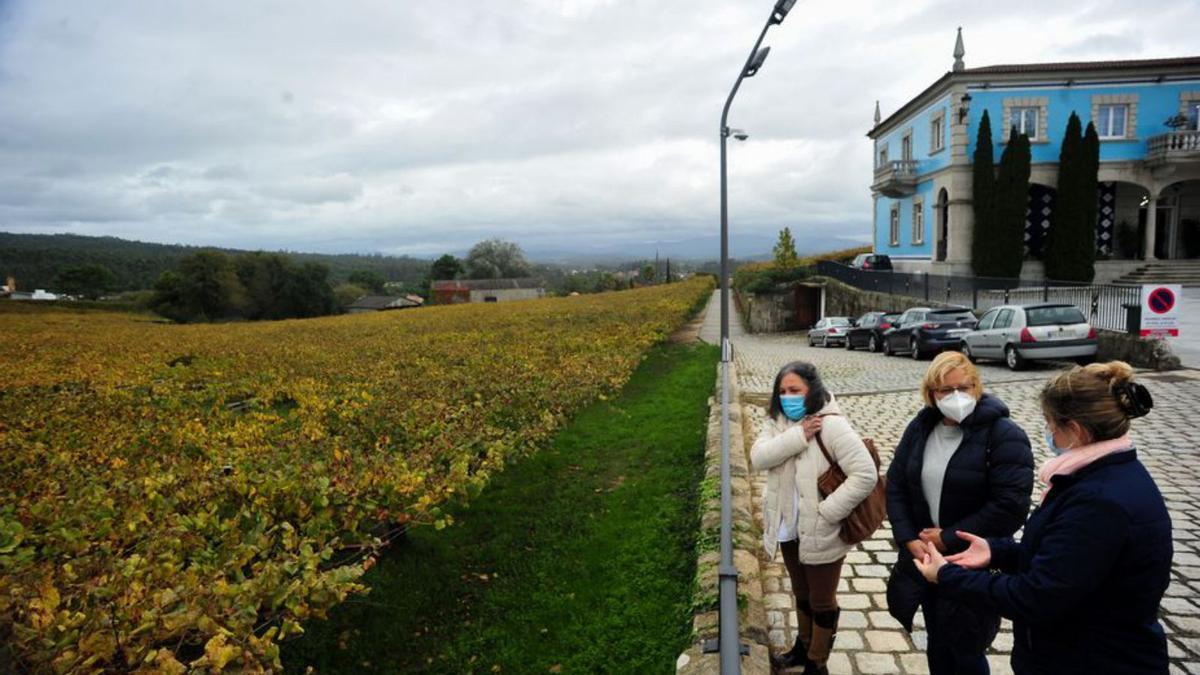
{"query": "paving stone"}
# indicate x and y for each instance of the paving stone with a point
(871, 571)
(853, 620)
(887, 641)
(914, 664)
(1000, 665)
(848, 640)
(873, 663)
(839, 664)
(869, 585)
(854, 601)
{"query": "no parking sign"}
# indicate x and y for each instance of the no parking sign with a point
(1160, 309)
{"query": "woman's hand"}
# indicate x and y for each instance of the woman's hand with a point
(916, 548)
(977, 556)
(930, 563)
(811, 426)
(933, 535)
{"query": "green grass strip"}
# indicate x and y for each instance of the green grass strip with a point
(579, 559)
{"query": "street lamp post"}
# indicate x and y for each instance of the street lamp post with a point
(729, 640)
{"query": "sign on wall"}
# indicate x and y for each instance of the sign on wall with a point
(1160, 309)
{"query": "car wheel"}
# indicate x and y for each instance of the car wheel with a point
(849, 344)
(872, 345)
(1012, 359)
(916, 350)
(966, 350)
(887, 347)
(810, 342)
(825, 342)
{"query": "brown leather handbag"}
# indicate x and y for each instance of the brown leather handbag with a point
(870, 512)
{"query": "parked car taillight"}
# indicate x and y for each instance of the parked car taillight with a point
(1026, 336)
(833, 331)
(929, 326)
(866, 265)
(1092, 335)
(884, 326)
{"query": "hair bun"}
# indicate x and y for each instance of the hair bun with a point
(1134, 398)
(1114, 372)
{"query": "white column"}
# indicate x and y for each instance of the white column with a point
(1151, 228)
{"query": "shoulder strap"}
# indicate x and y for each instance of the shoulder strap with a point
(825, 451)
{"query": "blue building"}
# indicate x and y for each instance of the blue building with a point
(1146, 112)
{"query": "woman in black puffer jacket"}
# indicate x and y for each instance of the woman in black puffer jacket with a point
(962, 465)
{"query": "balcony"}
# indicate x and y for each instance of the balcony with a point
(1174, 146)
(897, 178)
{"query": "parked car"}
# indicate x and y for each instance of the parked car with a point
(829, 331)
(1019, 334)
(872, 261)
(868, 331)
(922, 331)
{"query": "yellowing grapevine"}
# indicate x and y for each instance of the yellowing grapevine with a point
(181, 498)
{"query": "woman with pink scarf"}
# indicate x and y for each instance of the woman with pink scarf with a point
(1083, 586)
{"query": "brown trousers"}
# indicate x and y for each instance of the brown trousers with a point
(815, 586)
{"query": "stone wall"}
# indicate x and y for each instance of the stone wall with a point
(752, 617)
(845, 300)
(767, 312)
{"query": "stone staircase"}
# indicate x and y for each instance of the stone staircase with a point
(1186, 272)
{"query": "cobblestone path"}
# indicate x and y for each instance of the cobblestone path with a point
(879, 395)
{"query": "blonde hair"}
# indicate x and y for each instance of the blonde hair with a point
(1096, 396)
(941, 367)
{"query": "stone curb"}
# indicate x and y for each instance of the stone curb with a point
(752, 615)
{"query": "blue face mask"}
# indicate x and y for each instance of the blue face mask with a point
(793, 407)
(1050, 443)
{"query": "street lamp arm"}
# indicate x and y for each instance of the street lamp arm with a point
(742, 75)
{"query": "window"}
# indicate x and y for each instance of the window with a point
(918, 223)
(986, 322)
(906, 147)
(1004, 320)
(1111, 120)
(1025, 120)
(1193, 115)
(895, 225)
(883, 156)
(1053, 316)
(937, 132)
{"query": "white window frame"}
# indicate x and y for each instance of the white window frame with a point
(1023, 125)
(1106, 122)
(1041, 131)
(894, 224)
(918, 223)
(1104, 127)
(937, 132)
(906, 152)
(883, 156)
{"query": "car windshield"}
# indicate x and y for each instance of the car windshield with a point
(839, 321)
(1053, 316)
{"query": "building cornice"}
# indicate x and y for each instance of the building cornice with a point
(1089, 73)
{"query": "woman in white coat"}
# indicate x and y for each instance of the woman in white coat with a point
(796, 519)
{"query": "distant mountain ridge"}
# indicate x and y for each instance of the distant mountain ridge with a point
(35, 259)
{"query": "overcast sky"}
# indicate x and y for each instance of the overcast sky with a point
(421, 126)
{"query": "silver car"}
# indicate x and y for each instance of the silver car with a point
(830, 331)
(1018, 334)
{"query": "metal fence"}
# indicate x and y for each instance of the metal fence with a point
(1103, 304)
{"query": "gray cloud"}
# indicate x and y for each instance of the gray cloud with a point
(422, 126)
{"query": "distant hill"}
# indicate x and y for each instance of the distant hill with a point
(35, 259)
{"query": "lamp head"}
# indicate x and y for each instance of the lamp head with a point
(757, 62)
(781, 11)
(739, 134)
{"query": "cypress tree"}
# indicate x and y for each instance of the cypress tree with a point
(1062, 247)
(1012, 201)
(983, 197)
(1090, 192)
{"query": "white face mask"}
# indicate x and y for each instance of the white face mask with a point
(957, 406)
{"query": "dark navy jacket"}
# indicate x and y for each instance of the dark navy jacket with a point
(1083, 587)
(986, 491)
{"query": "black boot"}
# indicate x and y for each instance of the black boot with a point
(798, 655)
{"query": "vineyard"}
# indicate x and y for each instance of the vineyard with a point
(183, 498)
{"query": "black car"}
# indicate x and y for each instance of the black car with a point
(922, 331)
(873, 262)
(868, 330)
